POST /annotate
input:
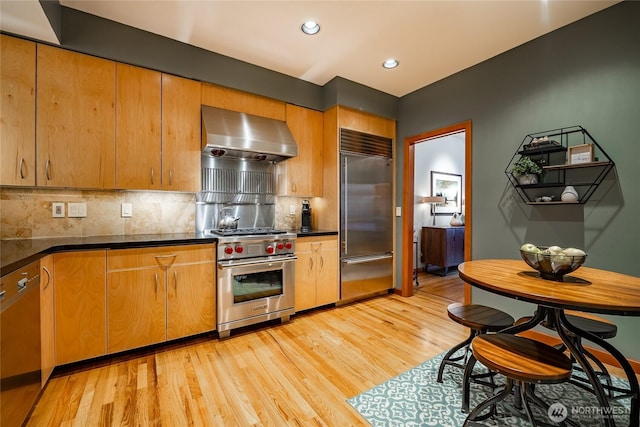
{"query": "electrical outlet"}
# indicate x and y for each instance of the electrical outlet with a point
(126, 210)
(57, 210)
(292, 209)
(77, 210)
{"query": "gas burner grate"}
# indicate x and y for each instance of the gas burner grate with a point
(247, 231)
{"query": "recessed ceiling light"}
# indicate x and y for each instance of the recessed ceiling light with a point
(310, 27)
(390, 63)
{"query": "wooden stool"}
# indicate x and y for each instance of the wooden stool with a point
(479, 319)
(524, 362)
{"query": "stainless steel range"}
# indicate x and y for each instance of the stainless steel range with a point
(256, 274)
(256, 263)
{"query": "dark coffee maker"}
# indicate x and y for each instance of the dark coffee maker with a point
(306, 216)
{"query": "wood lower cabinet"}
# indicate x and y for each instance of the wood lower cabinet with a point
(137, 308)
(80, 305)
(17, 111)
(75, 130)
(159, 294)
(301, 176)
(317, 281)
(191, 297)
(47, 318)
(442, 246)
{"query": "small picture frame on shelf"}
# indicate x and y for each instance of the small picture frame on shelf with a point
(579, 154)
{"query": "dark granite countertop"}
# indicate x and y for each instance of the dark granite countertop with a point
(20, 252)
(311, 233)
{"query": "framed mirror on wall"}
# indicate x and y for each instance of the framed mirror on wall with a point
(449, 186)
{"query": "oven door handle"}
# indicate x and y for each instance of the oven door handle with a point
(235, 263)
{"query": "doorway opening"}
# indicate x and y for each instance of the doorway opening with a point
(411, 197)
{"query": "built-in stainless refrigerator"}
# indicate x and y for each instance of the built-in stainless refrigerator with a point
(366, 215)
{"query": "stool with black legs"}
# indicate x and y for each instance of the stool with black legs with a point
(600, 327)
(524, 362)
(480, 319)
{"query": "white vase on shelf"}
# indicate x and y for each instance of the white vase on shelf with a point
(456, 220)
(569, 195)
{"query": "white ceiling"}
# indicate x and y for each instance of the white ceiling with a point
(431, 39)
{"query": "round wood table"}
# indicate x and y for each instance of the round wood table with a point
(586, 289)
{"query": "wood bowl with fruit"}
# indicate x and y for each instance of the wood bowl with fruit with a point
(553, 262)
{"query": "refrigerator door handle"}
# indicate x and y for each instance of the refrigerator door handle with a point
(363, 259)
(345, 202)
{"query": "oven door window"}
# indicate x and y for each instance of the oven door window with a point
(262, 284)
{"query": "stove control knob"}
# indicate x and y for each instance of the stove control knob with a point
(228, 250)
(280, 246)
(288, 245)
(269, 249)
(239, 249)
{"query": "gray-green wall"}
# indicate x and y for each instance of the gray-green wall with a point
(588, 74)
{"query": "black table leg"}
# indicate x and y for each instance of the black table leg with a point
(634, 416)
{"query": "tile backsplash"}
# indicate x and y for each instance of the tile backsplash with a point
(26, 213)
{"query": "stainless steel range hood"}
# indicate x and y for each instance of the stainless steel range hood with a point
(230, 134)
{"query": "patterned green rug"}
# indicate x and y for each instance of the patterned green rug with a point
(415, 398)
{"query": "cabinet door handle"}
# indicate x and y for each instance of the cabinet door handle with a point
(48, 170)
(175, 280)
(310, 264)
(21, 167)
(156, 282)
(170, 176)
(48, 277)
(165, 256)
(152, 174)
(321, 262)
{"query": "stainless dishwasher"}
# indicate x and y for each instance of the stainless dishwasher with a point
(20, 367)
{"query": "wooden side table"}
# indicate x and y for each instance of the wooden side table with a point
(443, 247)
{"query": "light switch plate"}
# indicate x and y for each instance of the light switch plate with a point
(77, 210)
(57, 210)
(398, 210)
(126, 210)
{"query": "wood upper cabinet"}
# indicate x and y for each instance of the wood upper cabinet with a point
(158, 294)
(17, 111)
(47, 318)
(317, 281)
(80, 305)
(181, 125)
(138, 127)
(75, 130)
(235, 100)
(301, 176)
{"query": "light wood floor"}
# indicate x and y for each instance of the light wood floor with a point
(298, 373)
(295, 374)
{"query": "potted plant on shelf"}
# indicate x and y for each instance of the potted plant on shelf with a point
(526, 171)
